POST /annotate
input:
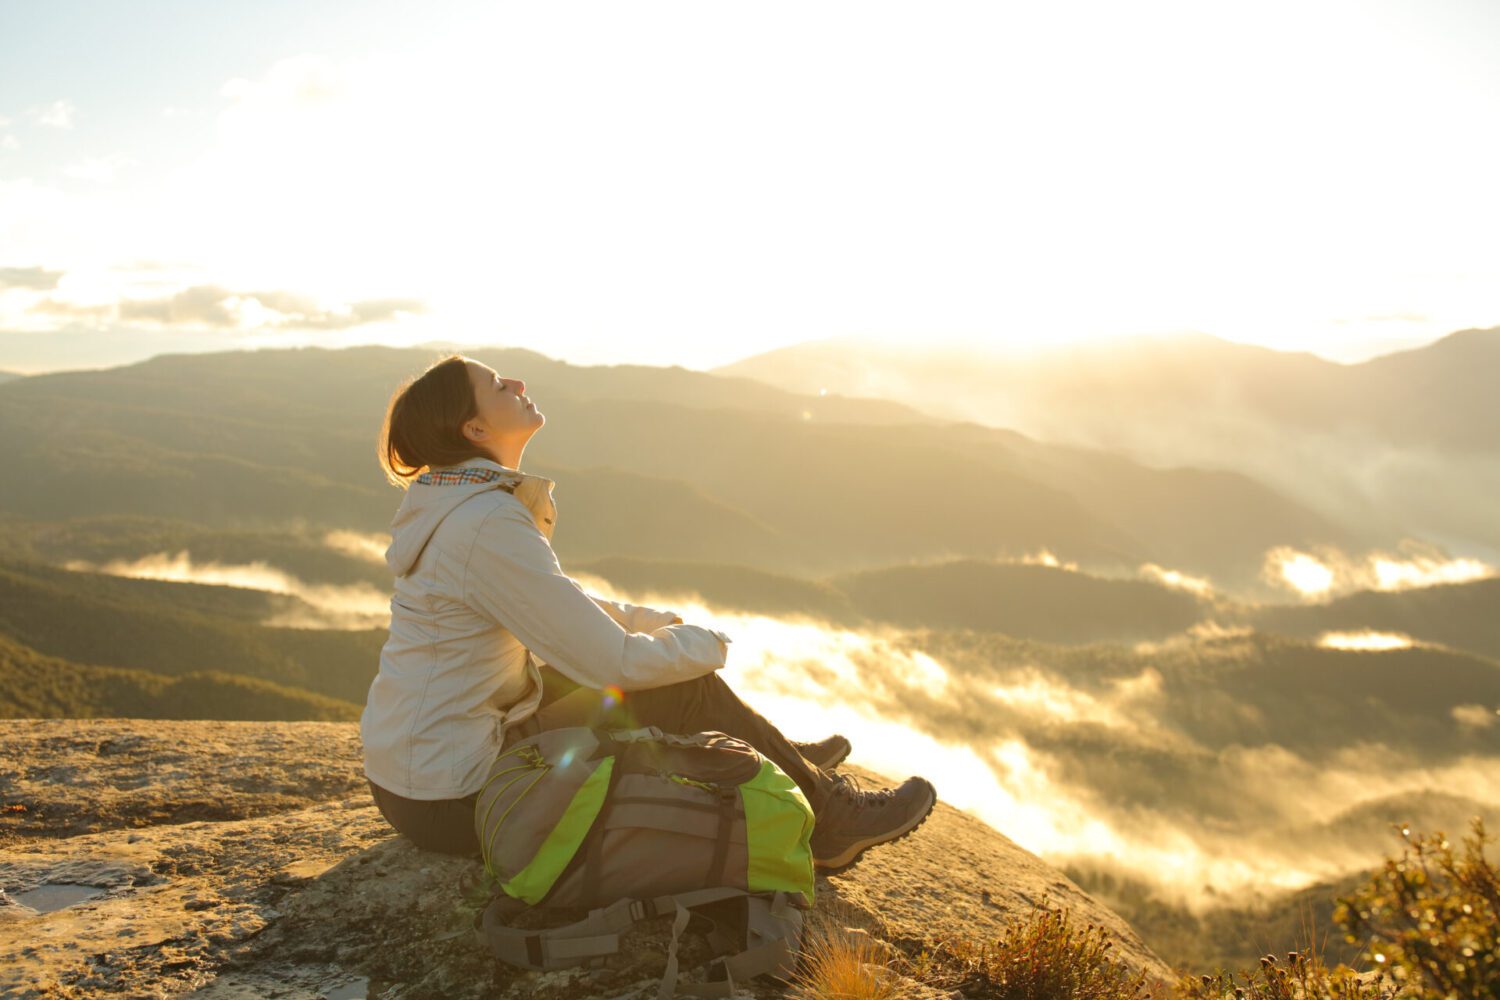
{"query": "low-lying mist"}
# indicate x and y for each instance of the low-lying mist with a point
(317, 606)
(1165, 761)
(1329, 572)
(1217, 763)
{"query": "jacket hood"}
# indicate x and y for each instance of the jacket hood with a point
(424, 508)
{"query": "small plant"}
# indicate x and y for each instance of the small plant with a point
(1045, 957)
(1303, 976)
(843, 964)
(1431, 918)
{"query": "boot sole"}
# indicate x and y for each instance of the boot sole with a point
(850, 856)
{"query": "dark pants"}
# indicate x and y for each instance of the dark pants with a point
(702, 704)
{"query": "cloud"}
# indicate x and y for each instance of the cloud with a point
(1178, 580)
(321, 606)
(1392, 573)
(369, 547)
(8, 141)
(100, 169)
(58, 114)
(1475, 716)
(1300, 571)
(215, 306)
(1043, 557)
(1328, 571)
(307, 80)
(31, 278)
(1366, 641)
(53, 306)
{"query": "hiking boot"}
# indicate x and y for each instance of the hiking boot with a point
(853, 820)
(824, 754)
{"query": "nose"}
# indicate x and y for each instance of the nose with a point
(517, 384)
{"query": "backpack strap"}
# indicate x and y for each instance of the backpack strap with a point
(597, 936)
(769, 945)
(579, 943)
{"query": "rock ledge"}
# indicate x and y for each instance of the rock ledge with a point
(244, 860)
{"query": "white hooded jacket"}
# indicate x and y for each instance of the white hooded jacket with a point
(479, 600)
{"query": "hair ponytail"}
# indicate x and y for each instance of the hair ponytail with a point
(424, 420)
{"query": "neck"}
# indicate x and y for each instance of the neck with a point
(508, 455)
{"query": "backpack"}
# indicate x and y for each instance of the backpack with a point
(638, 823)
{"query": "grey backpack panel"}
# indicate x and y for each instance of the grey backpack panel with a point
(669, 837)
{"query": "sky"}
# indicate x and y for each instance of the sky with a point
(692, 183)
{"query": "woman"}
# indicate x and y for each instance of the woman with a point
(491, 641)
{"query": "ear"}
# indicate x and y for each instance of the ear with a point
(474, 432)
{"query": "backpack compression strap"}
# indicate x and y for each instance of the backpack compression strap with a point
(598, 935)
(771, 927)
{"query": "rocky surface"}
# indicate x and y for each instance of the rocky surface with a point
(241, 860)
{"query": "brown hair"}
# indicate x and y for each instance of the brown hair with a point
(424, 422)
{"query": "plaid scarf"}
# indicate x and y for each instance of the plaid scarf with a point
(457, 477)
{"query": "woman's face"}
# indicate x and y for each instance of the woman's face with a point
(506, 416)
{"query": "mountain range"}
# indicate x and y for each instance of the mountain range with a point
(1404, 443)
(657, 463)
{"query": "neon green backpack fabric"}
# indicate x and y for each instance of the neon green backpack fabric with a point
(639, 823)
(582, 817)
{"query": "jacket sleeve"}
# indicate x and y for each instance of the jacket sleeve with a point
(634, 617)
(512, 577)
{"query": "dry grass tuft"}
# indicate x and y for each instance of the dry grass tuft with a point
(1303, 976)
(846, 964)
(1046, 957)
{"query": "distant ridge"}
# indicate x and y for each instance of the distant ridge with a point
(179, 628)
(1348, 440)
(34, 686)
(654, 462)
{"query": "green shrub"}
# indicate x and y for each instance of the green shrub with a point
(1431, 918)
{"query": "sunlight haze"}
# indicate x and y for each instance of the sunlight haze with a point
(690, 184)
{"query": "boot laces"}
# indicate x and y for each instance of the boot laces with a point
(848, 786)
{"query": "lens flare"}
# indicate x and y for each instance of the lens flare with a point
(613, 696)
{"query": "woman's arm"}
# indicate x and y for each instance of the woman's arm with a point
(512, 576)
(635, 617)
